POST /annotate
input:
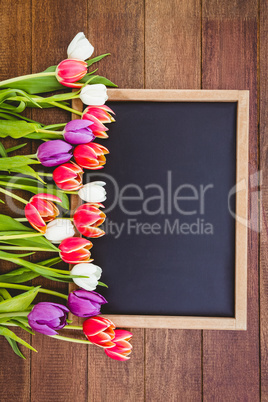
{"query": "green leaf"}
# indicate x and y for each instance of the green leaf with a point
(5, 294)
(16, 147)
(6, 332)
(98, 79)
(36, 85)
(17, 129)
(34, 187)
(15, 347)
(19, 275)
(102, 284)
(96, 59)
(17, 321)
(8, 224)
(3, 151)
(20, 302)
(16, 161)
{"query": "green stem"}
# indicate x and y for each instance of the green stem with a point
(15, 313)
(20, 236)
(77, 327)
(69, 109)
(45, 174)
(24, 77)
(13, 195)
(27, 248)
(49, 131)
(40, 290)
(31, 156)
(64, 338)
(71, 192)
(21, 219)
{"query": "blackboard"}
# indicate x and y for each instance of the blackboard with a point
(165, 255)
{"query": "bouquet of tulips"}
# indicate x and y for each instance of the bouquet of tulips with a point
(69, 148)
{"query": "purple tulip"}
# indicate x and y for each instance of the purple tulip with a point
(47, 317)
(85, 304)
(78, 132)
(54, 153)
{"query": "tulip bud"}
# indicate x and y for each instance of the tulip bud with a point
(102, 113)
(93, 192)
(85, 304)
(47, 317)
(95, 94)
(68, 176)
(75, 250)
(99, 330)
(90, 156)
(59, 229)
(122, 347)
(80, 48)
(78, 132)
(92, 273)
(53, 153)
(87, 218)
(71, 70)
(40, 210)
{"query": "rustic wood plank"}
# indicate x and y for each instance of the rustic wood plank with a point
(15, 59)
(173, 60)
(231, 360)
(118, 27)
(57, 362)
(264, 198)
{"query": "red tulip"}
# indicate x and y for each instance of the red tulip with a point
(68, 176)
(71, 70)
(87, 218)
(90, 156)
(74, 250)
(122, 347)
(41, 210)
(100, 331)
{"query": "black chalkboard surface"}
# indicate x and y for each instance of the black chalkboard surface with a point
(162, 256)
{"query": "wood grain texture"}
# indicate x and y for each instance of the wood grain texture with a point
(15, 59)
(172, 50)
(59, 370)
(264, 198)
(231, 360)
(118, 27)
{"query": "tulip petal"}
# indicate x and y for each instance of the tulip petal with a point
(34, 218)
(46, 196)
(115, 355)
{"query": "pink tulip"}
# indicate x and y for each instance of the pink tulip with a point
(102, 113)
(68, 176)
(87, 218)
(100, 331)
(69, 71)
(41, 210)
(90, 156)
(74, 250)
(122, 348)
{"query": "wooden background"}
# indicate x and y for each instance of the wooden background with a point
(210, 44)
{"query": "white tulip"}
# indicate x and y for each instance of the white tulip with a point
(93, 192)
(80, 48)
(93, 273)
(59, 229)
(95, 94)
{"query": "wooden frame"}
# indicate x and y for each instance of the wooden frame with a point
(239, 322)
